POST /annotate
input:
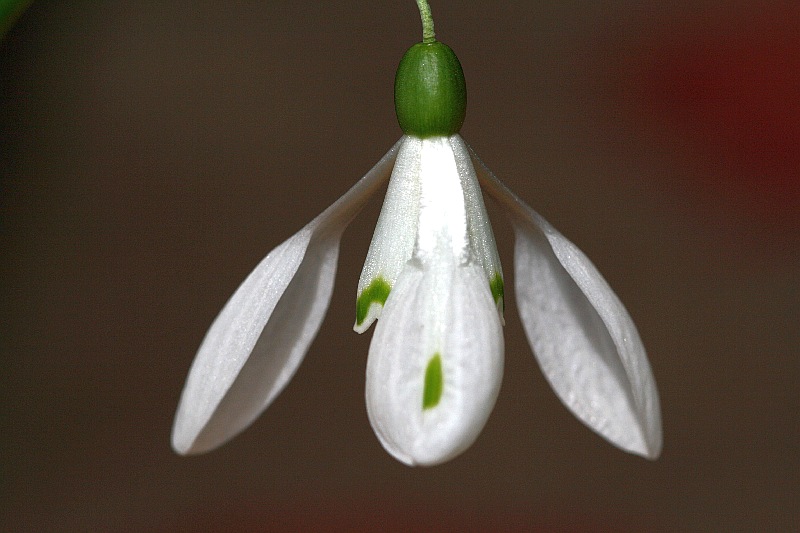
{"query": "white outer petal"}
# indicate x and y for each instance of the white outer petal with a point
(446, 309)
(258, 340)
(584, 339)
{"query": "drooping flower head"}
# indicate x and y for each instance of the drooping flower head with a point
(433, 281)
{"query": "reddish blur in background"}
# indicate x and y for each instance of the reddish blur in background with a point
(153, 152)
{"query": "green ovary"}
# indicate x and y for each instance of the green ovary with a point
(430, 95)
(376, 292)
(434, 383)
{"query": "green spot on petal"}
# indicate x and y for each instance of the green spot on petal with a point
(376, 292)
(433, 383)
(496, 286)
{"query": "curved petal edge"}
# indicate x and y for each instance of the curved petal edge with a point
(583, 338)
(260, 337)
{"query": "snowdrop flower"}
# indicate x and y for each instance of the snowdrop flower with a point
(433, 281)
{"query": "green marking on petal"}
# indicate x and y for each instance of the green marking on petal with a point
(496, 286)
(433, 383)
(376, 292)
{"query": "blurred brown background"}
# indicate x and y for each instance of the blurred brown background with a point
(153, 152)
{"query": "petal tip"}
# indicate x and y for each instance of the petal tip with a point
(194, 443)
(372, 314)
(180, 443)
(643, 441)
(653, 450)
(180, 448)
(649, 451)
(370, 302)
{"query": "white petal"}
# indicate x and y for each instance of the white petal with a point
(433, 194)
(481, 236)
(584, 339)
(393, 241)
(262, 334)
(443, 227)
(443, 310)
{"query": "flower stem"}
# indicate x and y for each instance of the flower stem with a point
(428, 35)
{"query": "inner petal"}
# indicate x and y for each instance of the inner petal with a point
(442, 212)
(435, 362)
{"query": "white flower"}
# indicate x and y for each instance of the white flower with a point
(433, 280)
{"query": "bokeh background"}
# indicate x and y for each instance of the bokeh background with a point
(153, 152)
